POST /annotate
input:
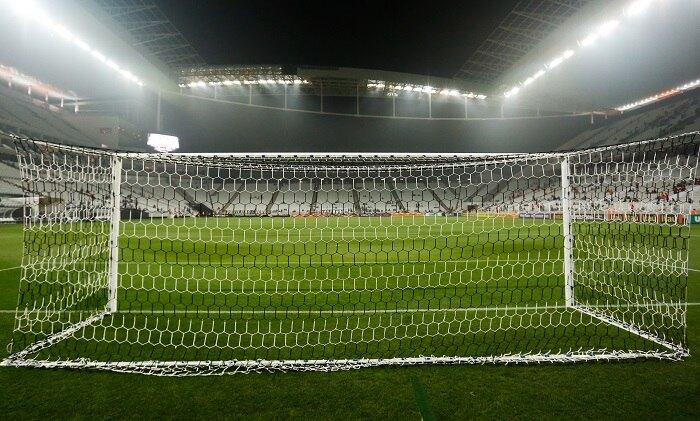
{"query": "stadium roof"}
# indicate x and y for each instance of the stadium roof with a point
(338, 81)
(152, 31)
(530, 22)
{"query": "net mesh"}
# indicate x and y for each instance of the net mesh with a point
(209, 264)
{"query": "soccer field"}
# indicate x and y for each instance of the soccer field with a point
(187, 270)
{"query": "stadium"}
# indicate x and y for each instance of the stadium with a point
(475, 211)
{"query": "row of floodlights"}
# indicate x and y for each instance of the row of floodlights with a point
(378, 84)
(635, 8)
(13, 76)
(30, 10)
(201, 83)
(659, 96)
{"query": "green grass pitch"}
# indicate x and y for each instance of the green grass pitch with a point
(626, 389)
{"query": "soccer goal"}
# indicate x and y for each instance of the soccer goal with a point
(184, 264)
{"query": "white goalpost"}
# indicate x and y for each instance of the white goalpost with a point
(200, 264)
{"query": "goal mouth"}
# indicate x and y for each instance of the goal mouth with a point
(176, 354)
(196, 265)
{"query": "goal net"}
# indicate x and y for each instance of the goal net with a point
(182, 264)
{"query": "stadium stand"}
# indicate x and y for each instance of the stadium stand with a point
(360, 196)
(22, 114)
(674, 116)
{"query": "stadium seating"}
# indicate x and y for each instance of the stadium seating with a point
(21, 113)
(668, 118)
(326, 196)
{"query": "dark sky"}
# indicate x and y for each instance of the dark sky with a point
(424, 37)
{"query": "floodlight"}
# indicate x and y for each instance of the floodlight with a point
(606, 28)
(639, 103)
(637, 7)
(29, 9)
(559, 60)
(101, 57)
(63, 32)
(554, 63)
(589, 40)
(82, 44)
(512, 91)
(112, 65)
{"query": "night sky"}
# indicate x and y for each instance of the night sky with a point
(424, 37)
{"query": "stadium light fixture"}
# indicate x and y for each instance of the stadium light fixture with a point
(247, 80)
(559, 60)
(637, 7)
(82, 45)
(514, 90)
(427, 89)
(609, 26)
(589, 40)
(602, 31)
(28, 9)
(661, 95)
(14, 77)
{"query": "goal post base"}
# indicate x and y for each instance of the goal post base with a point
(180, 368)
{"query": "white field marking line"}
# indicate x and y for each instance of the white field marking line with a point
(263, 262)
(278, 239)
(12, 268)
(362, 313)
